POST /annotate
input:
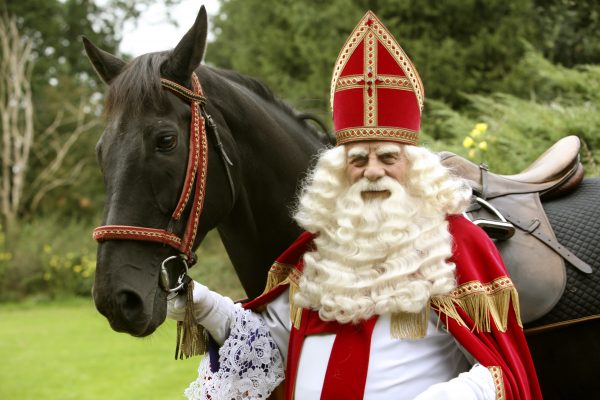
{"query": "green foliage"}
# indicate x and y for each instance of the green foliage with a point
(567, 31)
(51, 258)
(458, 46)
(214, 269)
(66, 350)
(551, 102)
(66, 94)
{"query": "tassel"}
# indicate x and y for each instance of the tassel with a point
(295, 311)
(483, 309)
(192, 339)
(410, 325)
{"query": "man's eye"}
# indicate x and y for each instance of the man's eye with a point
(389, 158)
(358, 162)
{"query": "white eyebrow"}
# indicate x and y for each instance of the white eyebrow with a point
(358, 151)
(388, 149)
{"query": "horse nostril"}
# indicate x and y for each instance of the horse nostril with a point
(131, 305)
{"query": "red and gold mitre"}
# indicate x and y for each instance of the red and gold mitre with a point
(376, 91)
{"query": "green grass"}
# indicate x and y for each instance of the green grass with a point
(66, 350)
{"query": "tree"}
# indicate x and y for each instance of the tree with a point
(16, 113)
(19, 136)
(458, 46)
(64, 99)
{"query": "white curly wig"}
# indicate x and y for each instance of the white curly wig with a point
(377, 256)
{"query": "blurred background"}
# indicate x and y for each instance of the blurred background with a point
(504, 79)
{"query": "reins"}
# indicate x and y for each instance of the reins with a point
(194, 187)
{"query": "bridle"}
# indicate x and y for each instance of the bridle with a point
(194, 188)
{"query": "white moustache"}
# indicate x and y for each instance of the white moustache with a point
(384, 183)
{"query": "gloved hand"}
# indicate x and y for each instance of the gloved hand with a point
(210, 310)
(176, 306)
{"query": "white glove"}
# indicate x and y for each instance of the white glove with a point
(210, 310)
(476, 384)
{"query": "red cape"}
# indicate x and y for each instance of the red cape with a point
(490, 331)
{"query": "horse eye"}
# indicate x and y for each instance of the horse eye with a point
(166, 142)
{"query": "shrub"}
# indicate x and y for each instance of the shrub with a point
(551, 102)
(49, 258)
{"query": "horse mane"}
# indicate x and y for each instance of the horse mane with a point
(259, 88)
(256, 86)
(138, 87)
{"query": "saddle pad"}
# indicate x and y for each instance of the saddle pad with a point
(575, 219)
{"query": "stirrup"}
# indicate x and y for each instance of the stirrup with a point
(499, 229)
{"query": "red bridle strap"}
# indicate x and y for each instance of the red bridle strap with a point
(195, 180)
(124, 232)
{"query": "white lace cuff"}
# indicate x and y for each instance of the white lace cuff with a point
(250, 363)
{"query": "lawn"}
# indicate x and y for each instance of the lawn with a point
(66, 350)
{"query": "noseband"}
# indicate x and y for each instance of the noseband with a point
(195, 181)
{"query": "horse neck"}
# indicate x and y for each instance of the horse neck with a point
(274, 150)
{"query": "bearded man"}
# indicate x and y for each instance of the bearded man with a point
(390, 293)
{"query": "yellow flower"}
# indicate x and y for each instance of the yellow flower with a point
(481, 127)
(468, 142)
(475, 133)
(483, 146)
(47, 249)
(472, 153)
(77, 269)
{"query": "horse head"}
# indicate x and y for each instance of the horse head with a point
(143, 154)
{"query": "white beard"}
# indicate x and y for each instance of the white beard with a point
(373, 257)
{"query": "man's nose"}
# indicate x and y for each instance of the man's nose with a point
(373, 171)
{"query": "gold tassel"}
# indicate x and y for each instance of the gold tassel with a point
(192, 339)
(481, 308)
(499, 308)
(295, 311)
(278, 274)
(410, 325)
(447, 305)
(272, 280)
(514, 297)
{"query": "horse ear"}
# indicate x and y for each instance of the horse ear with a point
(106, 65)
(188, 54)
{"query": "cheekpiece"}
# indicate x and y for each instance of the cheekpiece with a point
(376, 91)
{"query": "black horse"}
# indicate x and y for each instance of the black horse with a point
(143, 156)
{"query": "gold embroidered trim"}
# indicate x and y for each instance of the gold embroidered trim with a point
(370, 88)
(380, 32)
(394, 82)
(483, 303)
(380, 133)
(498, 382)
(386, 81)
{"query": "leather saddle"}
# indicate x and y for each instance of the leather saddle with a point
(509, 208)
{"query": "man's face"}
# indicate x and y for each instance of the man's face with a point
(373, 160)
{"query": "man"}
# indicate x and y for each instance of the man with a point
(390, 293)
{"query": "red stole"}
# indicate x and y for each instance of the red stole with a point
(346, 373)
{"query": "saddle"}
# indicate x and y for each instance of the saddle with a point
(509, 208)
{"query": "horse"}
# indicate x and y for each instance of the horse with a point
(252, 177)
